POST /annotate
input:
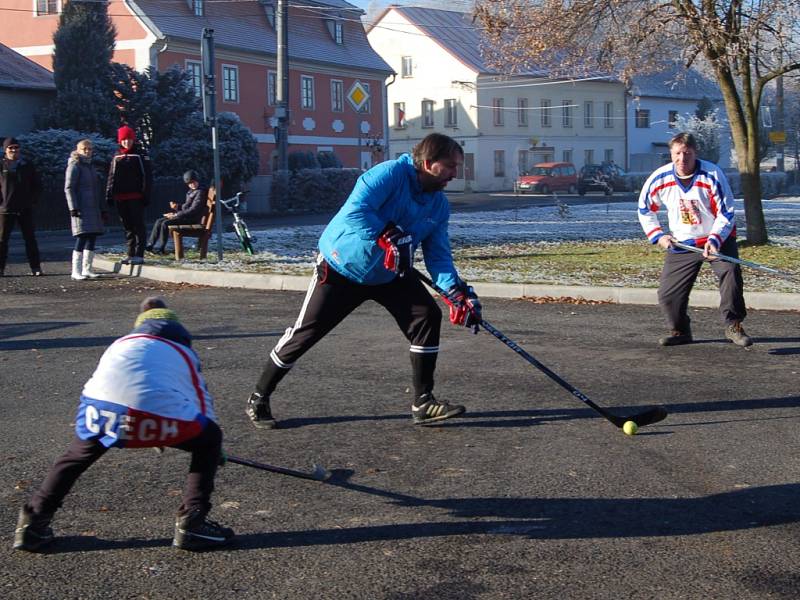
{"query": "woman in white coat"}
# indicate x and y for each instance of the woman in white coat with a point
(84, 191)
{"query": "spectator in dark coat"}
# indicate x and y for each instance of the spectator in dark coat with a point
(84, 192)
(130, 183)
(189, 213)
(20, 188)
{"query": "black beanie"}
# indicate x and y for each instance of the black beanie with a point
(9, 141)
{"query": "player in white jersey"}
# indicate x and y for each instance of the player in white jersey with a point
(699, 205)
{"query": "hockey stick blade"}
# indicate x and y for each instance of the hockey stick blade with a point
(653, 415)
(318, 473)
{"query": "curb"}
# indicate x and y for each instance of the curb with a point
(298, 283)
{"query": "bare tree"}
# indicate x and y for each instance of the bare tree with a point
(744, 43)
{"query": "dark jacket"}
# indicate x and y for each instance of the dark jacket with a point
(19, 189)
(130, 177)
(194, 207)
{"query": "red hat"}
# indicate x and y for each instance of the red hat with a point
(125, 133)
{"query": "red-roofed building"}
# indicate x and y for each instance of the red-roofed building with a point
(329, 55)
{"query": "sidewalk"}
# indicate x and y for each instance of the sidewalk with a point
(617, 295)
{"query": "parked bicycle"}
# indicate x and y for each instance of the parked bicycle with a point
(239, 226)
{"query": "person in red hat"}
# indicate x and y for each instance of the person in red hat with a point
(130, 182)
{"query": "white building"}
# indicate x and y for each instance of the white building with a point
(653, 103)
(505, 124)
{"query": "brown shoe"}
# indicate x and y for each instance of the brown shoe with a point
(735, 333)
(676, 338)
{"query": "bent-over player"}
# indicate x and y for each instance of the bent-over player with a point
(147, 391)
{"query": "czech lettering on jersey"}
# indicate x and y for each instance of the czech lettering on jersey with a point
(146, 391)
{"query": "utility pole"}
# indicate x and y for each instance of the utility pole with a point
(282, 93)
(781, 145)
(210, 116)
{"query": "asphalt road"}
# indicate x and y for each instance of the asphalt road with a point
(530, 495)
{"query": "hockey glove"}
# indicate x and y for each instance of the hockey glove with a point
(398, 249)
(465, 308)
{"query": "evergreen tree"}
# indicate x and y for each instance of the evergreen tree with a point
(83, 46)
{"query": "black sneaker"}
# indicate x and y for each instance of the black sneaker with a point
(36, 272)
(259, 412)
(735, 333)
(676, 338)
(33, 531)
(193, 531)
(429, 410)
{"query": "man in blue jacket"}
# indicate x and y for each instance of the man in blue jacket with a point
(366, 253)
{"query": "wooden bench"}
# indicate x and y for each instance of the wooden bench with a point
(202, 230)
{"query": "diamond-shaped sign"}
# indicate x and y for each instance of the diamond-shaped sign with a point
(358, 95)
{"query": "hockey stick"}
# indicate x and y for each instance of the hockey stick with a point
(647, 417)
(737, 261)
(319, 473)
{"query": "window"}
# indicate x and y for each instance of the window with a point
(306, 92)
(672, 118)
(497, 110)
(406, 69)
(427, 113)
(608, 115)
(270, 10)
(588, 114)
(47, 7)
(522, 162)
(588, 157)
(230, 83)
(198, 6)
(608, 155)
(566, 114)
(450, 113)
(642, 118)
(499, 163)
(522, 112)
(337, 95)
(547, 119)
(272, 88)
(566, 156)
(338, 32)
(367, 108)
(399, 115)
(195, 77)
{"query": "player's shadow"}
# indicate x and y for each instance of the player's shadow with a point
(11, 330)
(732, 405)
(533, 518)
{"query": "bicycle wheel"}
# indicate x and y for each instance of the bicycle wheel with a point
(244, 237)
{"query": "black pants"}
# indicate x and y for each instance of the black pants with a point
(26, 226)
(331, 297)
(677, 279)
(131, 213)
(82, 454)
(159, 235)
(85, 241)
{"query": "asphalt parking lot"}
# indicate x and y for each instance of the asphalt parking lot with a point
(530, 495)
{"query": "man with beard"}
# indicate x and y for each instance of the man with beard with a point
(366, 253)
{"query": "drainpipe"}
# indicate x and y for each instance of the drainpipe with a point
(386, 154)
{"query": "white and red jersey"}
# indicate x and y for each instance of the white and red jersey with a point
(698, 209)
(146, 391)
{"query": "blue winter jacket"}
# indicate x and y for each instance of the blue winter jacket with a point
(389, 192)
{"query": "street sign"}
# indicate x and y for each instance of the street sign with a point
(358, 96)
(777, 137)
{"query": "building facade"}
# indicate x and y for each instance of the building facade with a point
(25, 88)
(330, 63)
(505, 124)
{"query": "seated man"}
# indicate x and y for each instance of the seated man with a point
(188, 213)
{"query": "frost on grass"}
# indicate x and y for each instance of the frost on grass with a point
(526, 245)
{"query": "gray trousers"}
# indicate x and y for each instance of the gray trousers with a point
(678, 276)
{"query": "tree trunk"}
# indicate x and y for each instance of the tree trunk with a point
(753, 210)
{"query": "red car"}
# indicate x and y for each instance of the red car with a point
(547, 177)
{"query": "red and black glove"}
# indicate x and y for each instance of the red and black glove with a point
(465, 308)
(398, 249)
